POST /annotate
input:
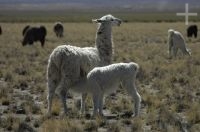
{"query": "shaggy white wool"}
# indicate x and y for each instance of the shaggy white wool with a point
(69, 64)
(176, 41)
(106, 79)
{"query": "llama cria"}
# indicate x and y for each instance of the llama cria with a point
(69, 64)
(176, 41)
(102, 80)
(192, 30)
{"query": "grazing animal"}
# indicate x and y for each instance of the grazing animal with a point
(0, 30)
(33, 34)
(58, 29)
(69, 64)
(25, 29)
(176, 41)
(192, 31)
(102, 80)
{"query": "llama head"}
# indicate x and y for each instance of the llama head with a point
(108, 19)
(170, 32)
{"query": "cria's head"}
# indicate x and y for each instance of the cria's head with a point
(108, 18)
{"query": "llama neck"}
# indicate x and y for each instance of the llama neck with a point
(104, 42)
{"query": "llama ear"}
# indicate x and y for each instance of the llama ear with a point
(97, 20)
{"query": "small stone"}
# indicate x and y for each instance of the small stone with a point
(20, 111)
(36, 124)
(23, 127)
(9, 128)
(6, 103)
(28, 119)
(5, 111)
(87, 116)
(127, 114)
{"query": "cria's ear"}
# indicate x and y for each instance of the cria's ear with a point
(97, 20)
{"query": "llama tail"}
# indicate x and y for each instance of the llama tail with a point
(188, 51)
(136, 66)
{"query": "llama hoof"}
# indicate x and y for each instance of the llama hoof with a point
(98, 115)
(134, 115)
(88, 116)
(63, 115)
(102, 115)
(48, 116)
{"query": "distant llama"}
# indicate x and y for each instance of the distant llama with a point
(67, 64)
(176, 41)
(105, 80)
(58, 29)
(33, 34)
(192, 30)
(25, 29)
(0, 30)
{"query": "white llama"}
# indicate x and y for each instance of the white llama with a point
(69, 64)
(176, 41)
(103, 80)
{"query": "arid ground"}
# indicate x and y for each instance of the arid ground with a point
(170, 88)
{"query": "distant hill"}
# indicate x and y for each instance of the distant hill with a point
(132, 5)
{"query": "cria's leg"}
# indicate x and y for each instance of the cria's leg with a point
(132, 91)
(101, 104)
(84, 96)
(137, 99)
(96, 94)
(95, 104)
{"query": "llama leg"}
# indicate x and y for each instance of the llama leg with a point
(67, 77)
(63, 99)
(170, 50)
(175, 51)
(52, 82)
(84, 96)
(131, 89)
(51, 92)
(62, 92)
(42, 42)
(195, 34)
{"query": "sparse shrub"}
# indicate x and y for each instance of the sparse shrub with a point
(91, 126)
(137, 125)
(193, 114)
(63, 125)
(8, 77)
(5, 101)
